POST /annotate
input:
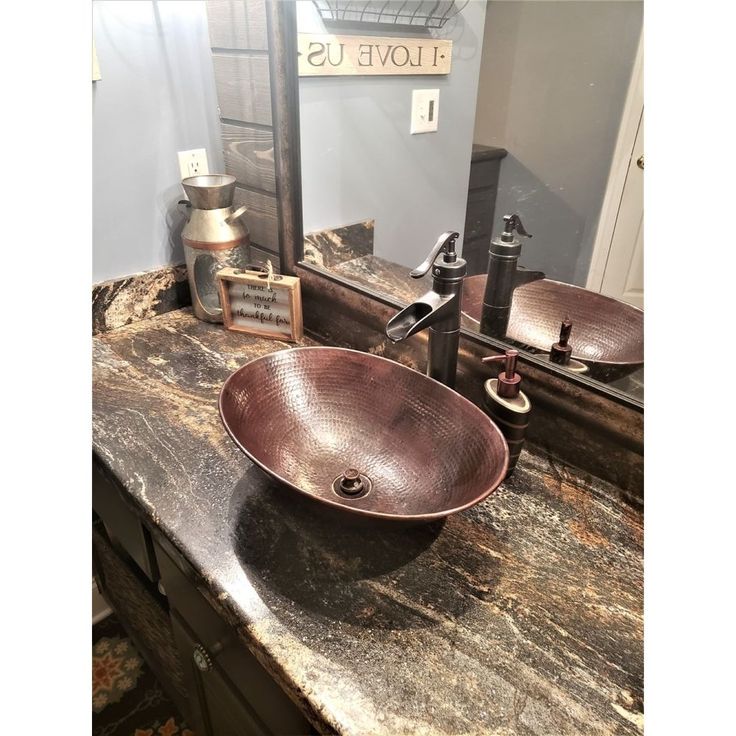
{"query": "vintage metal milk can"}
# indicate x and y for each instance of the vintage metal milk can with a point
(213, 238)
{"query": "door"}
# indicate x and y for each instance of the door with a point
(215, 708)
(623, 276)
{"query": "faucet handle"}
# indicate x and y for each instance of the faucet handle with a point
(513, 222)
(446, 243)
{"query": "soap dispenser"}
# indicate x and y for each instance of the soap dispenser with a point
(561, 352)
(507, 405)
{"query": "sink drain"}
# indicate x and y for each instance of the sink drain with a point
(352, 484)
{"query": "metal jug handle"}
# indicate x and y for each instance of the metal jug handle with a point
(235, 215)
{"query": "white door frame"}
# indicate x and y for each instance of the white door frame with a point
(633, 109)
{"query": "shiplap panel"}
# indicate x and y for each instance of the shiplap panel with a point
(261, 217)
(243, 87)
(259, 255)
(248, 154)
(237, 24)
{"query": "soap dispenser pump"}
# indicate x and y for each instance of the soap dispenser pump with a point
(507, 405)
(561, 352)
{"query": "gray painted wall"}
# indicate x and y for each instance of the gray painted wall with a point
(156, 97)
(552, 88)
(360, 162)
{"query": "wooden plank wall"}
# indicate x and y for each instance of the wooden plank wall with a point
(239, 43)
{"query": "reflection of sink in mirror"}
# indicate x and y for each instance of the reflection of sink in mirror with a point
(607, 334)
(362, 434)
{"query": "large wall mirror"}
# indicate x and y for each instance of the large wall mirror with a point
(540, 116)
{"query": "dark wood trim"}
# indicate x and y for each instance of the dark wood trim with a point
(282, 42)
(248, 155)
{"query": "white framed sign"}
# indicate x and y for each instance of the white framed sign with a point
(261, 304)
(327, 55)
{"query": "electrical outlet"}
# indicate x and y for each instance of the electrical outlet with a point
(193, 163)
(425, 104)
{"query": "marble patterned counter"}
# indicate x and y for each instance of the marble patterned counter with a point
(522, 615)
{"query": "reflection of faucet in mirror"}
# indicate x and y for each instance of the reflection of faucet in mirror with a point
(438, 309)
(504, 277)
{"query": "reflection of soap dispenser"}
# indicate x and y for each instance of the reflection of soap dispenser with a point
(508, 406)
(561, 351)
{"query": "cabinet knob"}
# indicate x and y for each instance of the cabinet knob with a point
(201, 658)
(640, 162)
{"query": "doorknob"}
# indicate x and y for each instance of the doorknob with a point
(201, 658)
(640, 162)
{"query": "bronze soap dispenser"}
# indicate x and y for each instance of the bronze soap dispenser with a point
(507, 405)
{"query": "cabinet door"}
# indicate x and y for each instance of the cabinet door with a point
(479, 214)
(216, 709)
(245, 676)
(122, 525)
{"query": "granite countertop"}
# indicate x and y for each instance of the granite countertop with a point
(522, 615)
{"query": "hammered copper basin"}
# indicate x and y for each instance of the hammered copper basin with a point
(363, 434)
(606, 331)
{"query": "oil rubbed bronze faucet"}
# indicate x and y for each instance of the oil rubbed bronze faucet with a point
(438, 309)
(503, 277)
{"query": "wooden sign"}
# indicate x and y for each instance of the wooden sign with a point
(325, 55)
(257, 304)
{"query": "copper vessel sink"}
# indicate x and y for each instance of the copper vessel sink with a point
(363, 434)
(606, 332)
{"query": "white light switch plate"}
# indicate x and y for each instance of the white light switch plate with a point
(193, 163)
(425, 104)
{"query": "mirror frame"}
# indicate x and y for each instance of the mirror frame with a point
(282, 30)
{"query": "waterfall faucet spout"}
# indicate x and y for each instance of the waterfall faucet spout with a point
(438, 310)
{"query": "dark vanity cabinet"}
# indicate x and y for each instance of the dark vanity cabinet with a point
(220, 687)
(485, 166)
